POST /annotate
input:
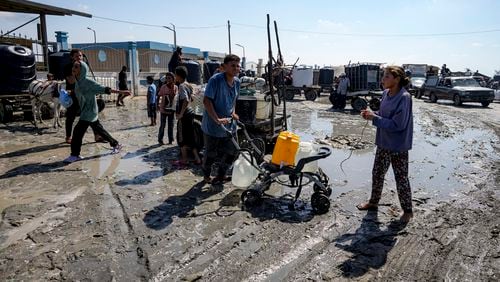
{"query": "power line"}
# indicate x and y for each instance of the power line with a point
(157, 25)
(378, 34)
(315, 32)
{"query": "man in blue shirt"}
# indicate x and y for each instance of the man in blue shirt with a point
(220, 99)
(151, 100)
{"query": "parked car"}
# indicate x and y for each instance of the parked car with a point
(458, 89)
(416, 83)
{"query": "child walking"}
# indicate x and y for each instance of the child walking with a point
(86, 90)
(151, 97)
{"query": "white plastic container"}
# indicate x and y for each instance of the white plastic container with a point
(263, 108)
(307, 149)
(302, 76)
(243, 171)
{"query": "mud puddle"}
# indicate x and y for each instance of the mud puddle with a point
(441, 164)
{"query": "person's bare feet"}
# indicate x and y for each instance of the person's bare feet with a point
(406, 217)
(367, 206)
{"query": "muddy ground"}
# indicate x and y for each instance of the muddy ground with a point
(135, 217)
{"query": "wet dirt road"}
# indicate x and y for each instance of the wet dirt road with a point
(134, 217)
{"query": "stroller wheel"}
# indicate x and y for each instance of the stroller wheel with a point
(327, 191)
(320, 203)
(251, 197)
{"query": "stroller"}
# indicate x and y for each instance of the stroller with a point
(269, 173)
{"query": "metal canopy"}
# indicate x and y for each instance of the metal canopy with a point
(22, 6)
(29, 7)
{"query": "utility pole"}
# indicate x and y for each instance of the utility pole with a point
(229, 34)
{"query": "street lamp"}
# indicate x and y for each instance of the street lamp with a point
(94, 34)
(244, 57)
(175, 35)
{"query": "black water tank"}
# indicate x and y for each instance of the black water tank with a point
(18, 69)
(210, 68)
(57, 63)
(326, 76)
(194, 72)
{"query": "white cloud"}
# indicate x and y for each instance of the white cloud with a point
(477, 44)
(459, 55)
(303, 37)
(332, 26)
(83, 7)
(7, 15)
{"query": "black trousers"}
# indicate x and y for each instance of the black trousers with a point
(71, 114)
(79, 132)
(170, 127)
(221, 149)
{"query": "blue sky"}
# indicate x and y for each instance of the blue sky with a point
(318, 32)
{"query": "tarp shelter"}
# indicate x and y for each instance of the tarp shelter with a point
(29, 7)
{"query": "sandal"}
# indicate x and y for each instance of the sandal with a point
(367, 206)
(221, 179)
(179, 163)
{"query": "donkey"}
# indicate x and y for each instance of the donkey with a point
(45, 92)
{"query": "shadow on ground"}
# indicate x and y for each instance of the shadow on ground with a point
(369, 245)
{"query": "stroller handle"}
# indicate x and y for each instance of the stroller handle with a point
(323, 152)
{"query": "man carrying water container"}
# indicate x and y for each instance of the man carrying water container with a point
(220, 99)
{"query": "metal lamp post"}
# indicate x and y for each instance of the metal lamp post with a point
(95, 41)
(175, 34)
(243, 60)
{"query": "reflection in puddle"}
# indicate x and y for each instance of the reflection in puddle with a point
(439, 167)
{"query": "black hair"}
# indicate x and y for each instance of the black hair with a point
(150, 78)
(74, 51)
(124, 68)
(231, 58)
(170, 74)
(181, 71)
(398, 71)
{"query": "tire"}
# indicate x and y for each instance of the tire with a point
(311, 95)
(485, 104)
(251, 198)
(433, 98)
(289, 94)
(418, 94)
(320, 203)
(6, 112)
(359, 104)
(332, 99)
(457, 101)
(374, 104)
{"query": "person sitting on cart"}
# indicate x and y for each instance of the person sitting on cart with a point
(219, 100)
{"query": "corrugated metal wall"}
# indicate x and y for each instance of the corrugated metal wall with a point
(114, 59)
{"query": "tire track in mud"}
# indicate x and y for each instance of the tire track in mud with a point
(118, 226)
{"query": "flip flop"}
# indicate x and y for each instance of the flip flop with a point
(179, 164)
(367, 206)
